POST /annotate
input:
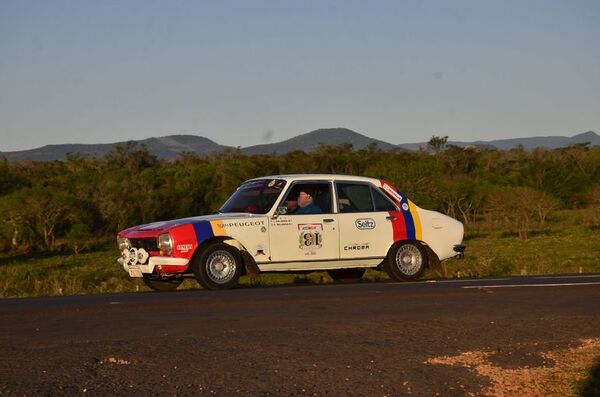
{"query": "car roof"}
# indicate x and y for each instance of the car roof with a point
(320, 177)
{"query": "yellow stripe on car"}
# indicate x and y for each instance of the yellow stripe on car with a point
(416, 220)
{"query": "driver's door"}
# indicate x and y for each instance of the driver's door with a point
(306, 238)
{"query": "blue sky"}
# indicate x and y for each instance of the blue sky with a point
(238, 72)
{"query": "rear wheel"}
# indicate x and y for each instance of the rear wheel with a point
(406, 261)
(219, 266)
(346, 275)
(158, 284)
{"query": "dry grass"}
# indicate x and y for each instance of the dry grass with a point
(558, 379)
(568, 243)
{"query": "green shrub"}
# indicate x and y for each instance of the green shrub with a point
(500, 267)
(78, 237)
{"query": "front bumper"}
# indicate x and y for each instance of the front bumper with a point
(460, 250)
(136, 262)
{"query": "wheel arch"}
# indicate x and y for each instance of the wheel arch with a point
(432, 258)
(249, 267)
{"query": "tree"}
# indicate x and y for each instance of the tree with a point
(463, 197)
(518, 206)
(126, 192)
(9, 181)
(437, 143)
(37, 212)
(78, 237)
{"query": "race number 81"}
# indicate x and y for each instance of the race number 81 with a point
(310, 239)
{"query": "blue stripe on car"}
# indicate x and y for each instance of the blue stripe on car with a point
(408, 219)
(203, 231)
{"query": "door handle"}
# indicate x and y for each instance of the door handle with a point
(327, 220)
(390, 218)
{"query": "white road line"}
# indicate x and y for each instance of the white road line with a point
(528, 285)
(434, 281)
(467, 280)
(575, 276)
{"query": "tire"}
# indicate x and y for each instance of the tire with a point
(163, 285)
(219, 266)
(346, 275)
(406, 261)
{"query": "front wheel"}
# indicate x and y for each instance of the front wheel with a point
(163, 285)
(219, 266)
(406, 261)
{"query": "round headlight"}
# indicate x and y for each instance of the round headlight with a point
(165, 243)
(123, 243)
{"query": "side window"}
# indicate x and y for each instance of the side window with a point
(354, 197)
(382, 203)
(309, 198)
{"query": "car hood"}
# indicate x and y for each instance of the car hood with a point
(156, 228)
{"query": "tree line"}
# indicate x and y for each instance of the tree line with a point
(82, 202)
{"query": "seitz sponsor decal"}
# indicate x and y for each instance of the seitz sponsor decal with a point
(357, 247)
(365, 223)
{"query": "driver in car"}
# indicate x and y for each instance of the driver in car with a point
(306, 203)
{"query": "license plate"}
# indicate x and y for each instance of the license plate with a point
(135, 271)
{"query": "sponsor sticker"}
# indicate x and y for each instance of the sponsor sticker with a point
(365, 223)
(240, 224)
(282, 221)
(392, 191)
(357, 247)
(310, 238)
(260, 250)
(183, 248)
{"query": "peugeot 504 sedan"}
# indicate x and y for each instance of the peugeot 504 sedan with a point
(294, 223)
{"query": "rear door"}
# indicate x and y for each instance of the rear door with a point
(365, 222)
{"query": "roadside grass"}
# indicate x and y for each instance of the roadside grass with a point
(590, 385)
(568, 243)
(86, 273)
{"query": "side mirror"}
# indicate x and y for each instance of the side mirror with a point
(281, 210)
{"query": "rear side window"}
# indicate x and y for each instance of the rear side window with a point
(361, 197)
(382, 203)
(354, 197)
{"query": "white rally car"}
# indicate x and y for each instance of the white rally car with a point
(294, 223)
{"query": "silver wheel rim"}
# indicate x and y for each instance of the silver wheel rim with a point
(221, 266)
(409, 259)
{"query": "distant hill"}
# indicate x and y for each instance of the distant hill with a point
(170, 147)
(548, 142)
(310, 141)
(167, 147)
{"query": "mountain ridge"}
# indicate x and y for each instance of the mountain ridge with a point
(528, 143)
(172, 146)
(311, 140)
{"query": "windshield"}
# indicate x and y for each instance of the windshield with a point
(255, 196)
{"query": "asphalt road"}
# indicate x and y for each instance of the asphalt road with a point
(362, 339)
